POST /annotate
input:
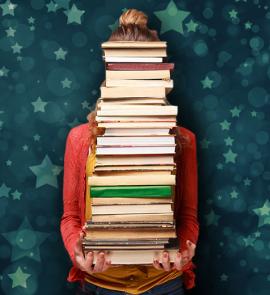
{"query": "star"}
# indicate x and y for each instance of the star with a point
(8, 163)
(223, 277)
(10, 32)
(16, 195)
(233, 13)
(31, 20)
(32, 28)
(264, 210)
(253, 114)
(212, 218)
(52, 7)
(36, 137)
(229, 141)
(225, 125)
(60, 54)
(204, 143)
(172, 18)
(192, 26)
(46, 173)
(4, 72)
(8, 8)
(39, 105)
(25, 241)
(25, 147)
(16, 48)
(235, 112)
(230, 156)
(66, 83)
(249, 241)
(234, 194)
(4, 190)
(74, 15)
(207, 83)
(85, 105)
(219, 166)
(19, 278)
(114, 26)
(247, 182)
(248, 25)
(257, 234)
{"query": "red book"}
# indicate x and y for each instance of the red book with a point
(139, 66)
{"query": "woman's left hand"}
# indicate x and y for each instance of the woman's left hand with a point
(181, 258)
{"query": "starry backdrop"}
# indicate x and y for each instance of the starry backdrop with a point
(50, 72)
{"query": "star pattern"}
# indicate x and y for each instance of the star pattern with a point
(19, 278)
(74, 15)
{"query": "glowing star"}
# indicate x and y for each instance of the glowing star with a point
(225, 125)
(39, 105)
(191, 26)
(207, 83)
(263, 213)
(230, 156)
(74, 15)
(46, 173)
(19, 278)
(8, 8)
(60, 54)
(25, 241)
(172, 18)
(66, 83)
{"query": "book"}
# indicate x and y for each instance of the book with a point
(109, 160)
(136, 119)
(140, 67)
(132, 91)
(135, 168)
(148, 191)
(157, 74)
(137, 132)
(136, 140)
(134, 52)
(137, 125)
(132, 59)
(135, 150)
(131, 101)
(168, 217)
(131, 209)
(134, 44)
(96, 234)
(139, 83)
(131, 201)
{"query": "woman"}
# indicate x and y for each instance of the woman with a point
(162, 277)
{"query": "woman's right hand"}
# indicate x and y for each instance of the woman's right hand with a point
(86, 263)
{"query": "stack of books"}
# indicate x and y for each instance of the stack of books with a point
(132, 187)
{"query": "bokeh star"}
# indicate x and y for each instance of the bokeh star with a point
(19, 278)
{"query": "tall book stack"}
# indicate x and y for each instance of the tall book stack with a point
(133, 183)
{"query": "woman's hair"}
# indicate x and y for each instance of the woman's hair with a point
(132, 27)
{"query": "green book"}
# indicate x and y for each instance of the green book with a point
(134, 191)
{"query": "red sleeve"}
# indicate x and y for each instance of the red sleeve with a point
(186, 202)
(70, 221)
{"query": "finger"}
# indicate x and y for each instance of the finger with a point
(166, 261)
(178, 261)
(88, 262)
(78, 246)
(157, 265)
(106, 264)
(100, 262)
(191, 249)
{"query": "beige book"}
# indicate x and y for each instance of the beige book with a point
(165, 179)
(137, 100)
(134, 160)
(139, 83)
(138, 131)
(135, 52)
(135, 140)
(157, 74)
(134, 44)
(130, 201)
(133, 217)
(135, 150)
(137, 125)
(136, 119)
(135, 168)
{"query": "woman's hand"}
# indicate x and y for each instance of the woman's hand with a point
(180, 260)
(86, 263)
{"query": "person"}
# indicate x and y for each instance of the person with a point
(163, 276)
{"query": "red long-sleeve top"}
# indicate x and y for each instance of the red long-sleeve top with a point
(74, 183)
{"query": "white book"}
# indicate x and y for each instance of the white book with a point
(139, 140)
(131, 132)
(139, 83)
(141, 150)
(132, 59)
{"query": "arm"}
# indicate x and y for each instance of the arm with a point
(187, 225)
(70, 222)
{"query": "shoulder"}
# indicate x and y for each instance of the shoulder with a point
(185, 136)
(78, 133)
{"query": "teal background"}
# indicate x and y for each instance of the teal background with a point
(50, 72)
